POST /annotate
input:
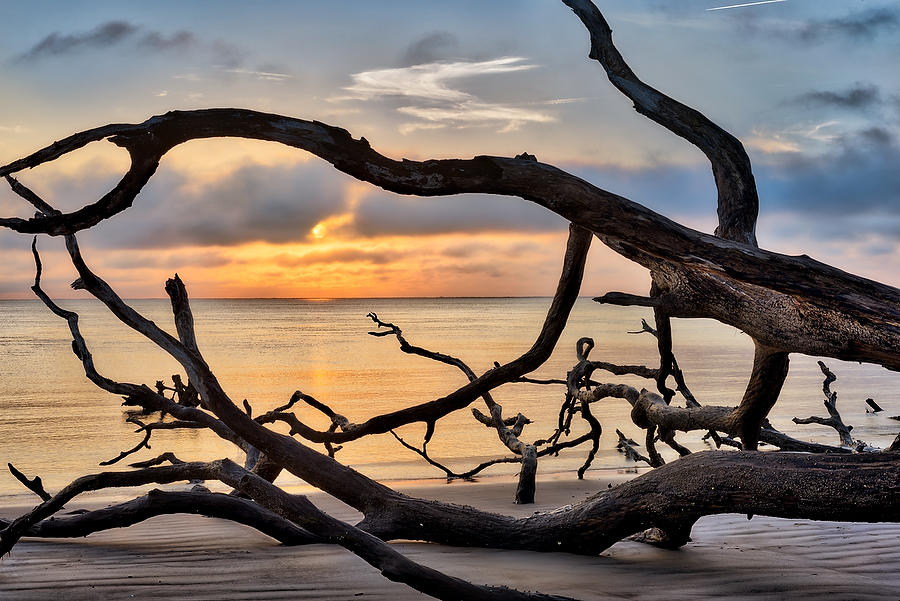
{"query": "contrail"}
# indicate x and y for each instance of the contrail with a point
(746, 4)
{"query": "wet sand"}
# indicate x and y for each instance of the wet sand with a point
(191, 557)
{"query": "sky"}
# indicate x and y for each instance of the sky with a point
(811, 87)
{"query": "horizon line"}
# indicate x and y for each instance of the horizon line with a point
(307, 298)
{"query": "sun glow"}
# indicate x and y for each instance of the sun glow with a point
(318, 231)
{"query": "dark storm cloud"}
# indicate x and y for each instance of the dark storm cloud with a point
(430, 48)
(860, 96)
(55, 44)
(382, 213)
(857, 26)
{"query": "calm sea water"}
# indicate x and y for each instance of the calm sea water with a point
(56, 424)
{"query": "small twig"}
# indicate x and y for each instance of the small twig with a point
(143, 444)
(167, 457)
(34, 485)
(834, 420)
(627, 446)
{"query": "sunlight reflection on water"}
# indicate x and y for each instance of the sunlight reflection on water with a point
(54, 423)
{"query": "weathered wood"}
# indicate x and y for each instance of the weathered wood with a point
(770, 368)
(808, 307)
(738, 203)
(158, 502)
(35, 484)
(296, 508)
(834, 419)
(508, 433)
(785, 304)
(672, 498)
(875, 407)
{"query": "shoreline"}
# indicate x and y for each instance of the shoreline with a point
(117, 495)
(192, 557)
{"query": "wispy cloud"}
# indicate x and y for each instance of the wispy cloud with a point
(473, 113)
(799, 138)
(435, 103)
(428, 81)
(266, 75)
(770, 143)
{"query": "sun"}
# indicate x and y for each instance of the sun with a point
(318, 231)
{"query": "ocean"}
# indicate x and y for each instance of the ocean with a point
(54, 423)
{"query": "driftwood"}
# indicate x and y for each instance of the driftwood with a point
(786, 304)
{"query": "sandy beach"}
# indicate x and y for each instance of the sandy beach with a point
(191, 557)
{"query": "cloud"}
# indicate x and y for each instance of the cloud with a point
(677, 191)
(55, 44)
(167, 260)
(857, 178)
(854, 185)
(428, 81)
(859, 26)
(860, 96)
(770, 143)
(799, 138)
(381, 213)
(265, 75)
(179, 40)
(342, 255)
(472, 113)
(435, 104)
(255, 203)
(129, 35)
(429, 49)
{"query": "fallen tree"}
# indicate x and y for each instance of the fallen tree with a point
(785, 304)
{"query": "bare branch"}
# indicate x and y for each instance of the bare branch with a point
(770, 369)
(864, 322)
(834, 419)
(628, 446)
(167, 457)
(141, 445)
(738, 203)
(35, 484)
(35, 200)
(158, 502)
(623, 299)
(296, 508)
